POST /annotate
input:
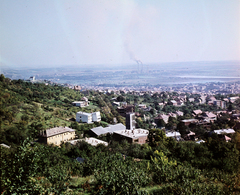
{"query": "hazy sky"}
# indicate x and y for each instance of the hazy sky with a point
(43, 33)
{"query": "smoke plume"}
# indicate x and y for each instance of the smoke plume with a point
(131, 54)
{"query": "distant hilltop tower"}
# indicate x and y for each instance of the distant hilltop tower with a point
(77, 88)
(32, 78)
(130, 121)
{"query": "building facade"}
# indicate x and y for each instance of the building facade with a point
(84, 117)
(80, 103)
(138, 136)
(174, 134)
(96, 117)
(88, 117)
(57, 135)
(130, 121)
(220, 103)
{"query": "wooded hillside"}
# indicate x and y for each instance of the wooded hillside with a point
(162, 166)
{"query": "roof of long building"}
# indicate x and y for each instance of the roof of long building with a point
(84, 113)
(110, 129)
(90, 140)
(173, 134)
(222, 131)
(136, 133)
(56, 131)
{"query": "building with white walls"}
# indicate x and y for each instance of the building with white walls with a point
(85, 117)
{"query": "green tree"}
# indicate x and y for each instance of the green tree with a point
(119, 176)
(121, 98)
(161, 123)
(182, 128)
(19, 169)
(2, 77)
(157, 137)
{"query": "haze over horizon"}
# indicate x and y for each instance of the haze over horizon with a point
(86, 32)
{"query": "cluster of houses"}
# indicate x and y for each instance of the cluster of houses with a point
(199, 117)
(222, 134)
(165, 117)
(119, 132)
(59, 135)
(129, 132)
(85, 117)
(210, 100)
(202, 117)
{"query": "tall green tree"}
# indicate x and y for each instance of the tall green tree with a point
(18, 170)
(119, 176)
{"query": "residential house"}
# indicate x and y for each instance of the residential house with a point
(138, 136)
(224, 131)
(96, 117)
(173, 102)
(172, 115)
(180, 102)
(226, 99)
(222, 134)
(57, 135)
(209, 116)
(80, 103)
(211, 99)
(233, 99)
(196, 112)
(183, 98)
(179, 113)
(220, 103)
(88, 117)
(174, 134)
(164, 117)
(84, 117)
(187, 122)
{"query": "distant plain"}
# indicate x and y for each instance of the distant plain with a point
(133, 74)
